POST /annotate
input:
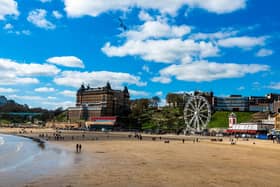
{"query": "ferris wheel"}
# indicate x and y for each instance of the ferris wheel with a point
(197, 114)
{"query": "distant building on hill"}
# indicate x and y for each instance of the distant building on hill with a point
(276, 106)
(273, 96)
(259, 104)
(232, 103)
(268, 103)
(277, 122)
(209, 96)
(179, 99)
(98, 102)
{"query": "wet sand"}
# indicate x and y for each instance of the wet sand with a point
(132, 162)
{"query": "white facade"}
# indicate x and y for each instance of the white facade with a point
(252, 127)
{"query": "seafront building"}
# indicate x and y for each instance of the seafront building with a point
(260, 104)
(259, 127)
(99, 102)
(276, 106)
(277, 122)
(267, 103)
(231, 103)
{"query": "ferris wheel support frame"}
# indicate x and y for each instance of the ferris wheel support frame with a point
(197, 114)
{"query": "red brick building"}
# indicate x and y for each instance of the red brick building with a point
(97, 102)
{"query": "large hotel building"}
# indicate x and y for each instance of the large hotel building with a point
(98, 102)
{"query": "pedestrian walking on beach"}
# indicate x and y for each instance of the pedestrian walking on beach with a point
(77, 148)
(80, 147)
(183, 140)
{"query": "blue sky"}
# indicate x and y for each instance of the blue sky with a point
(49, 47)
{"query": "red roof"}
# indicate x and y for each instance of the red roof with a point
(241, 131)
(113, 118)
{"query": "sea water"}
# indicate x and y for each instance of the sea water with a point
(16, 151)
(23, 160)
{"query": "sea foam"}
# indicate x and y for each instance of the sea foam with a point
(2, 141)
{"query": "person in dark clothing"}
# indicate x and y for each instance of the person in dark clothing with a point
(80, 147)
(77, 148)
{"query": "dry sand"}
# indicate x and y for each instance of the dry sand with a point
(155, 163)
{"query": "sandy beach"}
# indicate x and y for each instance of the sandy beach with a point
(114, 161)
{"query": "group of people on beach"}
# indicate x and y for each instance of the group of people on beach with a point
(78, 148)
(136, 135)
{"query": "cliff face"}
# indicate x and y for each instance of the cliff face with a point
(3, 100)
(11, 106)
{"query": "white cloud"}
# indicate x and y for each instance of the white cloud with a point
(17, 80)
(156, 29)
(55, 104)
(94, 8)
(144, 16)
(12, 72)
(162, 102)
(264, 52)
(57, 14)
(68, 61)
(7, 90)
(162, 51)
(159, 42)
(97, 79)
(38, 18)
(245, 42)
(146, 68)
(274, 85)
(202, 71)
(45, 89)
(24, 69)
(51, 98)
(26, 32)
(27, 97)
(38, 101)
(68, 93)
(218, 6)
(19, 32)
(8, 8)
(159, 93)
(136, 93)
(216, 35)
(10, 29)
(8, 26)
(241, 88)
(162, 79)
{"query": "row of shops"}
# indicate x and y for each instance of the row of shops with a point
(102, 123)
(263, 127)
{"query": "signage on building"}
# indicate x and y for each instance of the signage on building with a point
(104, 120)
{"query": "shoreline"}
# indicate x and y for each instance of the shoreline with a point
(115, 162)
(42, 159)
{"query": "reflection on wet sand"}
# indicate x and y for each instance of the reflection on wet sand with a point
(30, 161)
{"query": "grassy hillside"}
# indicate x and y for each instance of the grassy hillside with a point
(220, 119)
